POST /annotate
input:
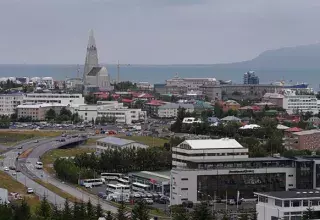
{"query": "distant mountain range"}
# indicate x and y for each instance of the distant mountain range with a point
(300, 57)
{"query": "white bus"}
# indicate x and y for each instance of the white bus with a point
(39, 165)
(88, 183)
(110, 176)
(117, 188)
(123, 181)
(139, 187)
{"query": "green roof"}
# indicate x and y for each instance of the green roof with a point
(159, 176)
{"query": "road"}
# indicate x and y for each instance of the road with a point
(27, 167)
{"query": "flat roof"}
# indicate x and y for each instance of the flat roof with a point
(297, 194)
(115, 141)
(249, 159)
(306, 132)
(223, 143)
(159, 176)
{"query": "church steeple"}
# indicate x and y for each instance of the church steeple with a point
(91, 56)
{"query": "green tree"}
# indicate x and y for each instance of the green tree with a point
(6, 213)
(22, 212)
(50, 115)
(109, 216)
(244, 216)
(44, 210)
(56, 213)
(90, 211)
(218, 112)
(201, 212)
(67, 212)
(179, 212)
(309, 214)
(99, 211)
(225, 217)
(140, 211)
(121, 214)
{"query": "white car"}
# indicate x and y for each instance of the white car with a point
(30, 190)
(148, 201)
(6, 169)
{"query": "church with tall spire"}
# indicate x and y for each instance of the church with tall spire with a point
(95, 78)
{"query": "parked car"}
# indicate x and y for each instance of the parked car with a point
(102, 195)
(12, 168)
(6, 169)
(148, 201)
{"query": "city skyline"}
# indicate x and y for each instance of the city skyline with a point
(152, 32)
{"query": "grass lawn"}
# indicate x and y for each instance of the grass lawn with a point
(151, 141)
(91, 141)
(49, 157)
(12, 185)
(57, 191)
(11, 137)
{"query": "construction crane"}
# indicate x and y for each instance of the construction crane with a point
(118, 70)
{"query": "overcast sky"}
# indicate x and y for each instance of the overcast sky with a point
(153, 31)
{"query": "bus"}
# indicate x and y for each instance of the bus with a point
(117, 188)
(88, 183)
(139, 187)
(123, 181)
(110, 176)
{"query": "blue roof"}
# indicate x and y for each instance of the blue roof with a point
(115, 141)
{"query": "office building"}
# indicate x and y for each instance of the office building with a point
(114, 143)
(208, 168)
(303, 140)
(66, 99)
(250, 78)
(294, 103)
(37, 112)
(170, 110)
(9, 103)
(287, 205)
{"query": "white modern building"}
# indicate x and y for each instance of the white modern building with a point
(48, 81)
(204, 169)
(4, 196)
(190, 83)
(293, 103)
(66, 99)
(9, 103)
(170, 110)
(287, 205)
(114, 143)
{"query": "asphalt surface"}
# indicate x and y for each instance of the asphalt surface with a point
(28, 170)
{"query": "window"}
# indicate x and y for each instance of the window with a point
(184, 188)
(290, 175)
(314, 202)
(295, 203)
(305, 202)
(286, 203)
(184, 179)
(278, 202)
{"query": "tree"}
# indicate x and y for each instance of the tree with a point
(23, 211)
(50, 115)
(90, 211)
(309, 214)
(244, 216)
(179, 212)
(218, 112)
(44, 210)
(121, 214)
(201, 212)
(109, 216)
(99, 211)
(225, 217)
(6, 213)
(140, 211)
(66, 213)
(56, 213)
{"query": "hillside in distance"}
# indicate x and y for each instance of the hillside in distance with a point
(299, 57)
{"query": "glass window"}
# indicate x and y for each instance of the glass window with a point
(295, 203)
(286, 203)
(314, 202)
(305, 202)
(278, 202)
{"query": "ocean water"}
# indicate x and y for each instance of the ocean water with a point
(159, 73)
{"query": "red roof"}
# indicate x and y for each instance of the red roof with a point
(142, 95)
(294, 129)
(255, 108)
(127, 100)
(155, 102)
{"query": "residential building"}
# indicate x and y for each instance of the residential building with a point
(170, 110)
(294, 103)
(230, 105)
(37, 112)
(250, 78)
(48, 82)
(9, 103)
(122, 115)
(237, 91)
(275, 98)
(303, 140)
(152, 107)
(64, 98)
(287, 205)
(114, 143)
